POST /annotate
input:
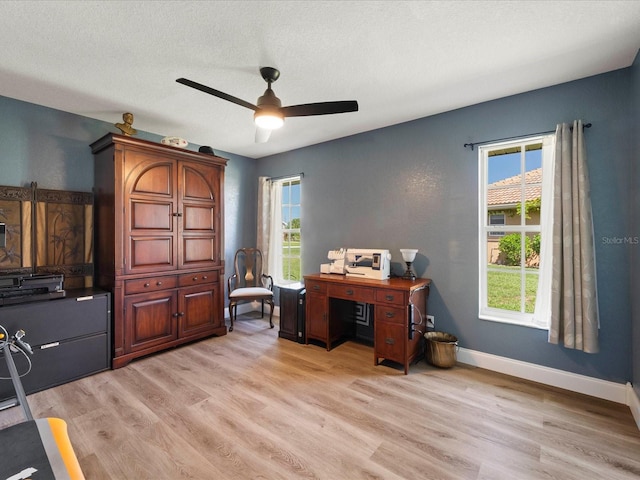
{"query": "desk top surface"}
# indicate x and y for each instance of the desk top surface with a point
(395, 283)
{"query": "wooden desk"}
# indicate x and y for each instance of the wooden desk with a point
(400, 309)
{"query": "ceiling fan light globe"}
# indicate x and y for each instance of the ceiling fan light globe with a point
(268, 120)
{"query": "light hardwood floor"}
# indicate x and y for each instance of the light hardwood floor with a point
(252, 406)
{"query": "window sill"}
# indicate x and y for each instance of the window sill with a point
(522, 322)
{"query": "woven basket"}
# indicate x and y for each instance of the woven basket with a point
(441, 349)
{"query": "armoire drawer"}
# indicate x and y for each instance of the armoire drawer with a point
(149, 284)
(198, 278)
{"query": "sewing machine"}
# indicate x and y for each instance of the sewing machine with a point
(359, 262)
(337, 264)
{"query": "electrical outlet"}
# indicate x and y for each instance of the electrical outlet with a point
(431, 321)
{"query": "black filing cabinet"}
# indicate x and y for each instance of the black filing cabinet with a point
(292, 312)
(70, 338)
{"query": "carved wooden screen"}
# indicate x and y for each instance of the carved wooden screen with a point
(16, 213)
(48, 231)
(64, 236)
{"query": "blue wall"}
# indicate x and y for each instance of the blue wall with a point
(409, 186)
(414, 185)
(46, 146)
(241, 198)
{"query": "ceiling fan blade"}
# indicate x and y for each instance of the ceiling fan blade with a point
(262, 135)
(322, 108)
(216, 93)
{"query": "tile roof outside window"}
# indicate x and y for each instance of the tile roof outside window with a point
(503, 193)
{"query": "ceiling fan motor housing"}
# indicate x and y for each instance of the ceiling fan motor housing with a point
(269, 99)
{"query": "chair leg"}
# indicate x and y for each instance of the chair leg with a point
(262, 310)
(271, 314)
(232, 307)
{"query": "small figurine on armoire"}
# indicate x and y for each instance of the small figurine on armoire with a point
(126, 128)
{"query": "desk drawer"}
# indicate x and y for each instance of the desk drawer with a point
(349, 292)
(390, 342)
(151, 284)
(315, 287)
(394, 297)
(391, 314)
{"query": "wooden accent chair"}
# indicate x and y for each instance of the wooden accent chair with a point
(249, 283)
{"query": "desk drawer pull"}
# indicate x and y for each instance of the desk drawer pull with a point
(390, 298)
(390, 341)
(389, 314)
(349, 292)
(316, 287)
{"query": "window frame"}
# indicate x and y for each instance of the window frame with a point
(540, 317)
(281, 231)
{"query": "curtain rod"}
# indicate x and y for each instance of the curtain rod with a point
(301, 175)
(586, 125)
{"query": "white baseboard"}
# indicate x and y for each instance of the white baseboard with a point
(616, 392)
(634, 403)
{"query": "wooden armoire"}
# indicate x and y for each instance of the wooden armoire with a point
(159, 243)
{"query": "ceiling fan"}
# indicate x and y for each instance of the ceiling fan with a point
(269, 113)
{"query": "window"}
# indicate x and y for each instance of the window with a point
(515, 188)
(289, 234)
(496, 219)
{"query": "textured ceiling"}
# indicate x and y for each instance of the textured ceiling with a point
(399, 60)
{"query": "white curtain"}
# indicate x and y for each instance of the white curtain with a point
(574, 299)
(269, 240)
(542, 312)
